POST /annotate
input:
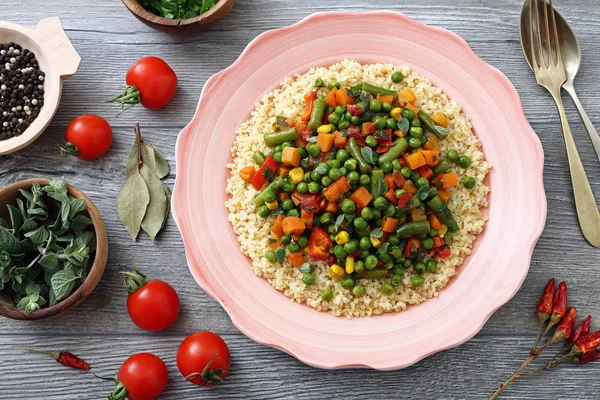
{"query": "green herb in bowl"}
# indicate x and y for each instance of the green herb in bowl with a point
(178, 9)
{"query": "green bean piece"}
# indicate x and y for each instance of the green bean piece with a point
(376, 176)
(354, 149)
(395, 151)
(318, 112)
(413, 228)
(374, 90)
(439, 131)
(443, 213)
(441, 168)
(259, 158)
(374, 274)
(259, 199)
(272, 139)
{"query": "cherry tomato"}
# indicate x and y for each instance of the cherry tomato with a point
(88, 137)
(203, 358)
(144, 376)
(154, 307)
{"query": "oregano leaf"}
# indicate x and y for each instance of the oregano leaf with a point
(280, 255)
(376, 233)
(8, 242)
(63, 283)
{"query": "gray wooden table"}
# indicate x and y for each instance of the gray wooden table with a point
(109, 39)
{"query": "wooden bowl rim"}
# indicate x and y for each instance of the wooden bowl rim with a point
(91, 280)
(141, 12)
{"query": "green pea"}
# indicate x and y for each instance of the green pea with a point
(396, 280)
(365, 243)
(428, 244)
(416, 132)
(452, 155)
(334, 85)
(263, 211)
(350, 164)
(360, 224)
(333, 119)
(334, 164)
(293, 213)
(375, 105)
(353, 177)
(377, 214)
(288, 186)
(423, 140)
(302, 188)
(407, 264)
(326, 218)
(380, 203)
(380, 123)
(326, 181)
(371, 141)
(286, 144)
(308, 279)
(405, 171)
(350, 247)
(302, 241)
(303, 152)
(326, 294)
(277, 156)
(397, 77)
(415, 123)
(417, 280)
(431, 266)
(390, 210)
(313, 150)
(396, 165)
(371, 262)
(287, 205)
(414, 142)
(355, 119)
(286, 240)
(343, 171)
(365, 179)
(342, 155)
(334, 173)
(314, 188)
(469, 182)
(421, 182)
(315, 176)
(364, 254)
(340, 110)
(464, 161)
(419, 268)
(387, 289)
(348, 283)
(433, 233)
(307, 178)
(367, 213)
(359, 291)
(348, 206)
(386, 107)
(386, 166)
(344, 125)
(433, 191)
(390, 123)
(339, 251)
(394, 240)
(359, 267)
(408, 113)
(348, 116)
(294, 248)
(270, 256)
(278, 148)
(269, 196)
(384, 257)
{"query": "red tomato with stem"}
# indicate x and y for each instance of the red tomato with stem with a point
(203, 358)
(142, 376)
(152, 305)
(88, 137)
(150, 81)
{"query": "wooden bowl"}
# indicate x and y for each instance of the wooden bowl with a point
(7, 307)
(180, 26)
(57, 59)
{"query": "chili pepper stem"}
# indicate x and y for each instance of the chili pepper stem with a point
(48, 353)
(514, 376)
(539, 335)
(537, 351)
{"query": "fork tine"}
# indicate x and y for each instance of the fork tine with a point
(535, 19)
(532, 38)
(548, 46)
(555, 36)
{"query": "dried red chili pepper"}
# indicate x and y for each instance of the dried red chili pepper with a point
(65, 358)
(544, 307)
(588, 358)
(565, 328)
(559, 305)
(589, 343)
(583, 330)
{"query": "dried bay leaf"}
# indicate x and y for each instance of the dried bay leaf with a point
(132, 160)
(132, 203)
(169, 195)
(162, 167)
(156, 211)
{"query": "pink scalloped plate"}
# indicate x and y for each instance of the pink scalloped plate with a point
(489, 277)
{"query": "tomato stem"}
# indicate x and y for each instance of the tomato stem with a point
(133, 281)
(69, 149)
(119, 392)
(208, 375)
(128, 98)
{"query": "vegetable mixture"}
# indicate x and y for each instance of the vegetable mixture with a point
(358, 181)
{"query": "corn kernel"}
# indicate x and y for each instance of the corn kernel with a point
(272, 205)
(342, 237)
(349, 265)
(335, 271)
(324, 128)
(442, 231)
(396, 113)
(297, 175)
(375, 242)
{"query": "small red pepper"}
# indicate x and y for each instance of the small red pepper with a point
(588, 358)
(544, 307)
(559, 305)
(583, 330)
(65, 358)
(264, 173)
(319, 244)
(589, 343)
(565, 328)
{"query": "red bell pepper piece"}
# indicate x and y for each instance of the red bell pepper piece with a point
(399, 179)
(386, 139)
(405, 201)
(354, 109)
(265, 173)
(438, 182)
(438, 242)
(319, 244)
(311, 202)
(443, 251)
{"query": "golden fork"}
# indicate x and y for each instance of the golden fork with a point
(550, 73)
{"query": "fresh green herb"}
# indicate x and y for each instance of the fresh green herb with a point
(47, 248)
(376, 233)
(178, 9)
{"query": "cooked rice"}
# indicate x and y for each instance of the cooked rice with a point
(253, 231)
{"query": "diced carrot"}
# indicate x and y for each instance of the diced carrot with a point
(417, 214)
(410, 187)
(434, 222)
(297, 259)
(449, 180)
(309, 100)
(307, 217)
(415, 160)
(330, 98)
(432, 157)
(343, 98)
(444, 195)
(389, 180)
(293, 226)
(399, 133)
(334, 191)
(274, 242)
(414, 108)
(283, 170)
(438, 242)
(300, 125)
(276, 228)
(407, 95)
(425, 172)
(288, 123)
(283, 196)
(297, 197)
(291, 156)
(361, 197)
(432, 144)
(339, 140)
(368, 128)
(389, 224)
(247, 173)
(325, 142)
(331, 207)
(385, 98)
(440, 119)
(390, 195)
